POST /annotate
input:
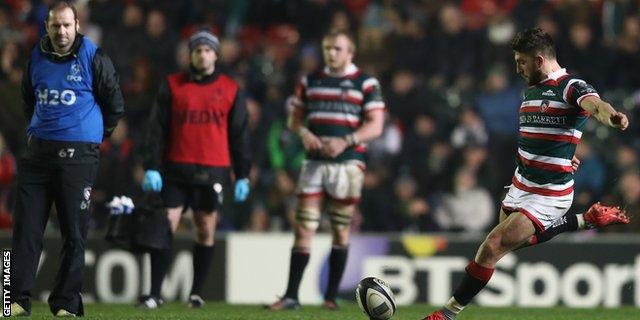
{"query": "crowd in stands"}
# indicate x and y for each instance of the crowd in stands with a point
(448, 80)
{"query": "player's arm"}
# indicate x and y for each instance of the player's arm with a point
(238, 124)
(296, 117)
(604, 112)
(580, 93)
(28, 96)
(295, 123)
(157, 128)
(373, 113)
(371, 127)
(106, 89)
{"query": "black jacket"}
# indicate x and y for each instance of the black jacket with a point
(159, 127)
(106, 87)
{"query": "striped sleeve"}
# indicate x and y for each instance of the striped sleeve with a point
(576, 90)
(372, 95)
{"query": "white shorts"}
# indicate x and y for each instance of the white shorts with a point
(341, 181)
(541, 210)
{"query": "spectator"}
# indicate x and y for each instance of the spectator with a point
(89, 29)
(406, 100)
(470, 130)
(121, 47)
(409, 206)
(498, 106)
(498, 103)
(139, 94)
(285, 149)
(591, 175)
(628, 197)
(386, 149)
(411, 45)
(450, 46)
(580, 52)
(627, 60)
(159, 43)
(468, 208)
(377, 202)
(497, 50)
(12, 120)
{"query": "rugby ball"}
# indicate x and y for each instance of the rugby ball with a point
(375, 298)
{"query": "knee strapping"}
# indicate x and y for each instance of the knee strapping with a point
(308, 217)
(341, 215)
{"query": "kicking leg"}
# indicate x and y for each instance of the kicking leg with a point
(597, 216)
(510, 234)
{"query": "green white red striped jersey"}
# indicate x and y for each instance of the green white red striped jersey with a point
(551, 124)
(335, 105)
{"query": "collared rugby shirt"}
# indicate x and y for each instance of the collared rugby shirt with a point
(551, 123)
(335, 106)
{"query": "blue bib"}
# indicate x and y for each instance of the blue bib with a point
(65, 109)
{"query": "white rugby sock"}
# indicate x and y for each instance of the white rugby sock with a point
(581, 223)
(453, 306)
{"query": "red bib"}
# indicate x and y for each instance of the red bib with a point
(199, 117)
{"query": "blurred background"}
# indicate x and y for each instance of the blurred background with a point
(448, 80)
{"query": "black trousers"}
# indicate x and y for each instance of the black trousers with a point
(40, 184)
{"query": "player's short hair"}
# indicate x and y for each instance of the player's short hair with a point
(61, 5)
(334, 33)
(534, 41)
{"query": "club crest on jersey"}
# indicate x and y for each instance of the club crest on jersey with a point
(74, 73)
(544, 106)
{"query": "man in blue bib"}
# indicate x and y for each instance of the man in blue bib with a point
(72, 101)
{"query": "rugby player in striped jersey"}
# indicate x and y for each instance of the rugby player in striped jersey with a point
(553, 113)
(335, 111)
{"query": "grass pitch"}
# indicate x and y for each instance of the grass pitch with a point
(348, 311)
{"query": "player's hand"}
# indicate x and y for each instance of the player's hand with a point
(620, 121)
(311, 142)
(241, 191)
(152, 181)
(332, 147)
(575, 163)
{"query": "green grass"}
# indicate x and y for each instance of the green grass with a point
(221, 311)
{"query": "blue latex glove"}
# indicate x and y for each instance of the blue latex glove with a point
(242, 190)
(152, 181)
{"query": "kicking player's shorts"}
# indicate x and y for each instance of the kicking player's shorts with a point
(340, 181)
(541, 210)
(198, 197)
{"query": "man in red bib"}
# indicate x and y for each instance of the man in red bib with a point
(198, 130)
